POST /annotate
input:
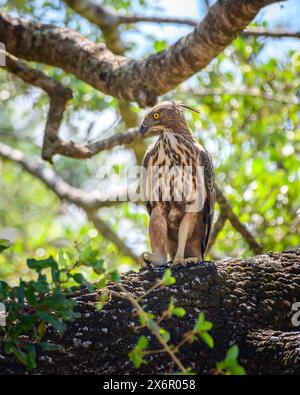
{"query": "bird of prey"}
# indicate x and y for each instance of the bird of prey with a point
(181, 202)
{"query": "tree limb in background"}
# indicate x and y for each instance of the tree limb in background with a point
(226, 213)
(105, 21)
(83, 151)
(275, 33)
(109, 234)
(104, 18)
(226, 210)
(86, 200)
(217, 228)
(254, 92)
(273, 343)
(107, 18)
(143, 80)
(58, 94)
(36, 78)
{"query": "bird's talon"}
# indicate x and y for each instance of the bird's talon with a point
(193, 260)
(178, 261)
(150, 260)
(184, 261)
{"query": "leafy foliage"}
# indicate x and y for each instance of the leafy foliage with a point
(136, 356)
(230, 365)
(36, 305)
(163, 337)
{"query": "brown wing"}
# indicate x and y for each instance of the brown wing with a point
(207, 214)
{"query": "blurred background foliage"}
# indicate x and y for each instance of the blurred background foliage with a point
(249, 103)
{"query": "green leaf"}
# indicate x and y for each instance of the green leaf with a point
(232, 353)
(202, 327)
(101, 283)
(89, 256)
(4, 244)
(63, 276)
(206, 337)
(160, 45)
(178, 311)
(200, 321)
(55, 274)
(116, 169)
(238, 370)
(206, 326)
(142, 343)
(230, 365)
(20, 355)
(137, 354)
(115, 276)
(136, 358)
(31, 357)
(61, 258)
(54, 322)
(167, 278)
(165, 334)
(4, 290)
(202, 324)
(80, 279)
(8, 347)
(42, 263)
(99, 266)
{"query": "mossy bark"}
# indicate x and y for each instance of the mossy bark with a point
(248, 300)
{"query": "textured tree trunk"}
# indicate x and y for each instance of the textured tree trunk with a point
(248, 300)
(144, 80)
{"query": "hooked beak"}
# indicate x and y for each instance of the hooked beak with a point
(143, 129)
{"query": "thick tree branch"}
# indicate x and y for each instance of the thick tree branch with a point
(124, 78)
(249, 301)
(37, 78)
(282, 347)
(59, 95)
(104, 19)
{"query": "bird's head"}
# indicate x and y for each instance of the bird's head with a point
(165, 115)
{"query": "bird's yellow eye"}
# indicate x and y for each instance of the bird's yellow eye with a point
(156, 115)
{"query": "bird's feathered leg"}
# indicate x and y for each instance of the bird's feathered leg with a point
(186, 228)
(158, 232)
